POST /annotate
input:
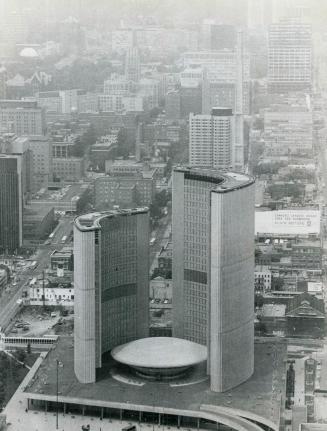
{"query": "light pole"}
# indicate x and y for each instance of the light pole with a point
(58, 364)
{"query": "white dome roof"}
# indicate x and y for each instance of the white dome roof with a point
(28, 53)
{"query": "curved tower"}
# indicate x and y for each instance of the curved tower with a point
(111, 270)
(213, 269)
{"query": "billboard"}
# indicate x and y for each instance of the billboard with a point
(287, 222)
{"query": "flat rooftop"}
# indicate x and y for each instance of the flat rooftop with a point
(67, 194)
(260, 395)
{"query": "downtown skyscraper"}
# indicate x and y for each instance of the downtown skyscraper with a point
(213, 269)
(111, 274)
(11, 203)
(289, 57)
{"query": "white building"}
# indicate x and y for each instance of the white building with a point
(52, 295)
(133, 103)
(289, 57)
(262, 277)
(212, 139)
(110, 102)
(118, 85)
(288, 130)
(22, 117)
(132, 64)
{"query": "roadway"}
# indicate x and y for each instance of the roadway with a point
(162, 235)
(8, 301)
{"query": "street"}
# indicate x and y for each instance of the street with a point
(9, 302)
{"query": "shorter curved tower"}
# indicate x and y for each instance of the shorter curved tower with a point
(111, 276)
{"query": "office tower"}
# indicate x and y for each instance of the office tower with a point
(138, 142)
(238, 151)
(111, 270)
(19, 146)
(213, 269)
(289, 57)
(22, 117)
(222, 78)
(298, 9)
(212, 139)
(41, 151)
(256, 14)
(217, 36)
(132, 65)
(11, 202)
(173, 104)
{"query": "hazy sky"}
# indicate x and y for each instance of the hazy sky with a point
(228, 11)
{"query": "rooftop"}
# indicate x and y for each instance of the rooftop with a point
(160, 352)
(67, 194)
(260, 395)
(91, 221)
(226, 181)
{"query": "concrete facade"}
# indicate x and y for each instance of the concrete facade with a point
(213, 269)
(22, 117)
(111, 267)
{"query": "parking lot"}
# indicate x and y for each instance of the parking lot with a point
(33, 322)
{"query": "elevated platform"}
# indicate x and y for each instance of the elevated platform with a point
(258, 400)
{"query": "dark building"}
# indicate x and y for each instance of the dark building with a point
(11, 202)
(191, 100)
(223, 36)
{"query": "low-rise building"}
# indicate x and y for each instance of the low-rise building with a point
(54, 290)
(62, 259)
(69, 169)
(262, 277)
(126, 191)
(161, 289)
(103, 149)
(165, 259)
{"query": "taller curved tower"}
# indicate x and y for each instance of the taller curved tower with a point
(213, 269)
(111, 275)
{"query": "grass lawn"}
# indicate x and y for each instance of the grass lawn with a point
(12, 374)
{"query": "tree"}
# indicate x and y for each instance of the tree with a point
(124, 144)
(21, 355)
(258, 301)
(277, 283)
(262, 327)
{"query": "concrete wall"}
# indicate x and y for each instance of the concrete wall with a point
(232, 283)
(84, 322)
(178, 253)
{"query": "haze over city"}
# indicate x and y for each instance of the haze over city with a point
(163, 215)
